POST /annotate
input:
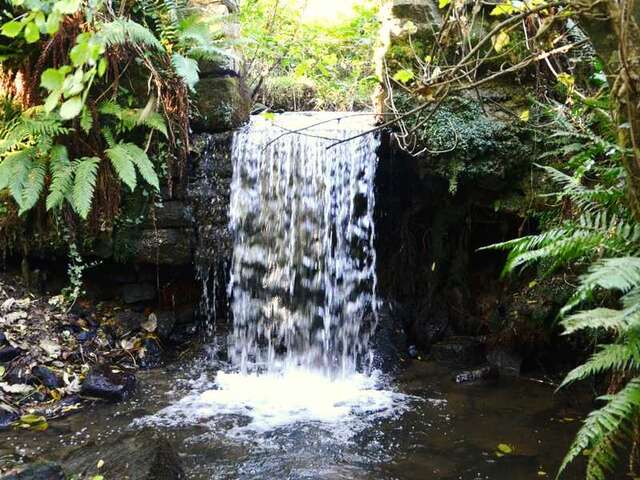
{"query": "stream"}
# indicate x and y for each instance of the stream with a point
(294, 391)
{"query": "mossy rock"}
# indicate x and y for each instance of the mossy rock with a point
(222, 103)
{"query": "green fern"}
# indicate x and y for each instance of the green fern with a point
(62, 172)
(123, 165)
(122, 31)
(614, 418)
(131, 118)
(84, 184)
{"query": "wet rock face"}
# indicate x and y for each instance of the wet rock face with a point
(47, 377)
(37, 471)
(103, 382)
(143, 455)
(459, 351)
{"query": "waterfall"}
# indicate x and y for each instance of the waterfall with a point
(302, 284)
(303, 274)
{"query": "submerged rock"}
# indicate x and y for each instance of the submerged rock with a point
(37, 471)
(143, 455)
(486, 372)
(463, 351)
(103, 382)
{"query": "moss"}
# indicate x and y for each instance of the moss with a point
(463, 144)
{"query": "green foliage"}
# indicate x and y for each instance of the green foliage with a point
(90, 115)
(335, 56)
(590, 227)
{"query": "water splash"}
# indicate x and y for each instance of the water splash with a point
(302, 286)
(303, 271)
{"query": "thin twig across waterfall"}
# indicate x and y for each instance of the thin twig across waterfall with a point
(334, 119)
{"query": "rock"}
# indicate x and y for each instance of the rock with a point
(165, 246)
(103, 382)
(390, 339)
(172, 214)
(8, 353)
(86, 336)
(143, 455)
(152, 354)
(223, 103)
(463, 351)
(138, 292)
(130, 320)
(3, 338)
(7, 418)
(508, 363)
(412, 351)
(185, 315)
(47, 377)
(430, 326)
(165, 321)
(485, 372)
(37, 471)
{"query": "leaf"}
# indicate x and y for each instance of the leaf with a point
(145, 167)
(500, 41)
(504, 448)
(524, 115)
(11, 29)
(52, 79)
(31, 32)
(150, 324)
(403, 76)
(51, 347)
(86, 172)
(16, 388)
(62, 176)
(33, 422)
(123, 165)
(503, 9)
(443, 3)
(71, 108)
(187, 69)
(2, 371)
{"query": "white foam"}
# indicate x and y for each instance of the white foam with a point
(267, 401)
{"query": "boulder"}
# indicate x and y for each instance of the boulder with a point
(143, 455)
(172, 214)
(165, 246)
(138, 292)
(390, 340)
(103, 382)
(36, 471)
(223, 103)
(130, 320)
(461, 351)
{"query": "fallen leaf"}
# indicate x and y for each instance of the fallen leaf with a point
(504, 448)
(16, 388)
(100, 464)
(51, 347)
(151, 323)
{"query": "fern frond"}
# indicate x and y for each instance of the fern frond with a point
(614, 417)
(62, 170)
(123, 165)
(187, 69)
(123, 30)
(32, 186)
(616, 356)
(84, 184)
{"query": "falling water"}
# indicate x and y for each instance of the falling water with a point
(303, 270)
(302, 283)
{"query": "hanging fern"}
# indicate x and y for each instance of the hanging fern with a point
(122, 31)
(84, 184)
